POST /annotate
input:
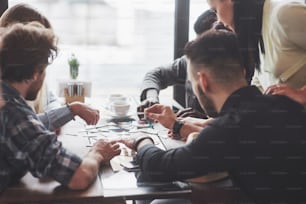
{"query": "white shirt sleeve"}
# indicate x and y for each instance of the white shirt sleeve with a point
(292, 17)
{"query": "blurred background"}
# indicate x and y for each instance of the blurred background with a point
(116, 41)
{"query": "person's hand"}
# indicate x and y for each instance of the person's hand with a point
(130, 142)
(163, 114)
(107, 149)
(173, 136)
(197, 121)
(90, 115)
(189, 112)
(192, 123)
(298, 95)
(145, 104)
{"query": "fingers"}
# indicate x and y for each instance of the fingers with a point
(156, 108)
(153, 116)
(145, 104)
(91, 117)
(275, 88)
(115, 141)
(153, 112)
(269, 90)
(117, 151)
(127, 142)
(182, 112)
(115, 146)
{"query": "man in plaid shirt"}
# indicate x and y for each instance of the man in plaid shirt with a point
(25, 143)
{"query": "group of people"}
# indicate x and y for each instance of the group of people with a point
(254, 133)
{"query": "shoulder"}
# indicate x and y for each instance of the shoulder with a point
(15, 108)
(181, 62)
(291, 12)
(18, 116)
(221, 126)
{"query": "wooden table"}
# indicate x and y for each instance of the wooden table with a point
(32, 190)
(109, 187)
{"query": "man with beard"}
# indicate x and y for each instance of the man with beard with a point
(25, 143)
(259, 139)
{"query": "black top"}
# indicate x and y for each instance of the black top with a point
(169, 75)
(260, 140)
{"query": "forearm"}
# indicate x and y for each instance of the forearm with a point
(52, 102)
(164, 76)
(56, 118)
(192, 125)
(87, 171)
(188, 128)
(160, 165)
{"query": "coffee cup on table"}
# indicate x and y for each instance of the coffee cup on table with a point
(116, 97)
(120, 108)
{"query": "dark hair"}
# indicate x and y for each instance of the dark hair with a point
(22, 13)
(218, 50)
(248, 25)
(205, 21)
(26, 49)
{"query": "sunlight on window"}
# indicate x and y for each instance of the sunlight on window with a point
(115, 41)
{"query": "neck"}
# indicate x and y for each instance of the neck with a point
(232, 27)
(21, 87)
(224, 92)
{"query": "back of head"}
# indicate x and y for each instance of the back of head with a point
(218, 52)
(22, 13)
(205, 21)
(24, 50)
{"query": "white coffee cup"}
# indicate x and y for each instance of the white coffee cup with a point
(116, 97)
(120, 108)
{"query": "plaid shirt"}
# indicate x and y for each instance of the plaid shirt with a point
(27, 145)
(55, 118)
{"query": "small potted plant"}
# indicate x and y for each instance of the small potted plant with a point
(74, 66)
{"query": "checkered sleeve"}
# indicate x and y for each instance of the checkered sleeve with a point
(37, 149)
(56, 118)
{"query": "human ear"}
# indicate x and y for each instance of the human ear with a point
(36, 76)
(203, 81)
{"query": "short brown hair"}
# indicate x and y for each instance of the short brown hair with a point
(219, 51)
(26, 49)
(22, 13)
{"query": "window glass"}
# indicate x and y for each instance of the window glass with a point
(197, 7)
(116, 41)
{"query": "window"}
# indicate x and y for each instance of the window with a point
(116, 41)
(197, 7)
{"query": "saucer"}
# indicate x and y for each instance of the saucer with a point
(127, 118)
(114, 116)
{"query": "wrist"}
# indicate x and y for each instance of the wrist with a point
(95, 155)
(152, 94)
(72, 109)
(177, 126)
(141, 139)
